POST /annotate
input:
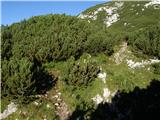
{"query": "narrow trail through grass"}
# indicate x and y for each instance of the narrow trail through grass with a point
(121, 53)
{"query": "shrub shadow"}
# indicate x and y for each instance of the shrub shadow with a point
(140, 104)
(44, 81)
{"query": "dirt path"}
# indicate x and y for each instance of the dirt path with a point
(61, 108)
(119, 56)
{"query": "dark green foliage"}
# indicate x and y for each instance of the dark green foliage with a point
(22, 78)
(156, 68)
(30, 43)
(80, 75)
(54, 37)
(6, 41)
(17, 77)
(146, 40)
(99, 42)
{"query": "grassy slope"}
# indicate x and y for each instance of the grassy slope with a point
(144, 18)
(119, 77)
(34, 112)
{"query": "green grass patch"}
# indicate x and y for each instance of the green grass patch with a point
(34, 112)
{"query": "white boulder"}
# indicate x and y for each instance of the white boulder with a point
(11, 108)
(152, 2)
(133, 64)
(106, 93)
(102, 76)
(97, 99)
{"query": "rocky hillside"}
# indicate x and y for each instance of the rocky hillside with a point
(125, 16)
